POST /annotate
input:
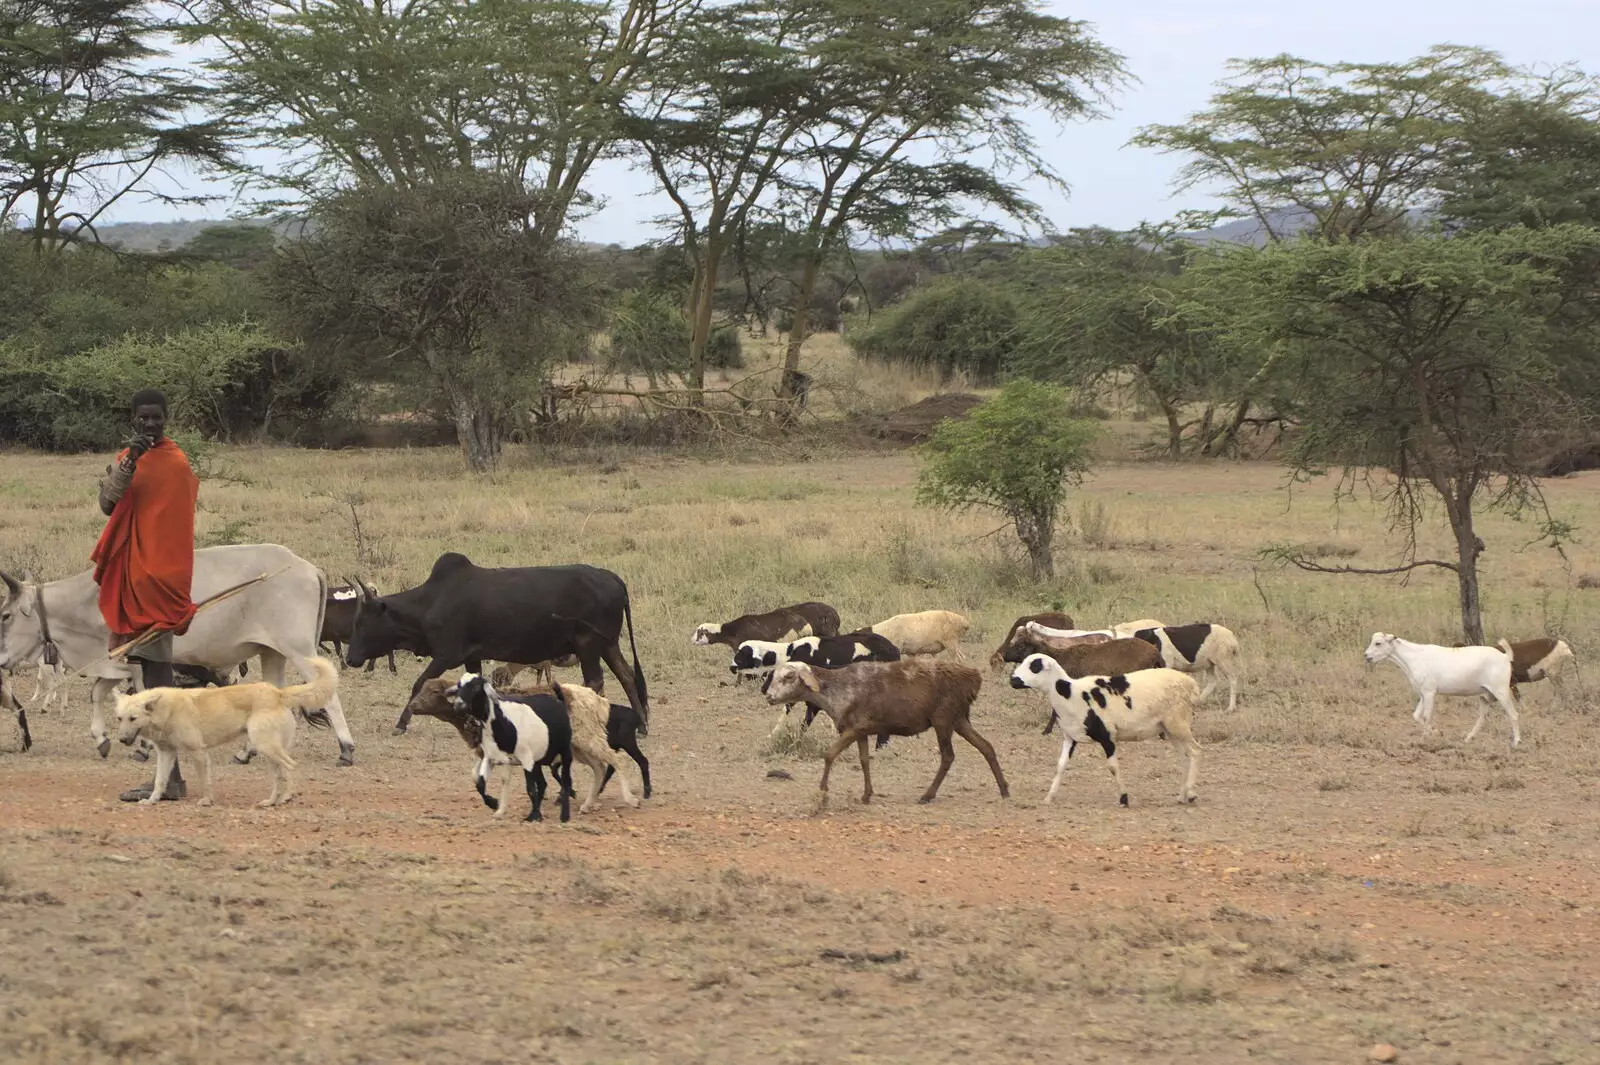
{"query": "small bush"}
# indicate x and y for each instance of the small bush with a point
(967, 326)
(723, 350)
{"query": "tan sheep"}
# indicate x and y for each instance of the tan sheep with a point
(924, 633)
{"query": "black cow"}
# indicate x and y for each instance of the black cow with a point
(339, 620)
(463, 614)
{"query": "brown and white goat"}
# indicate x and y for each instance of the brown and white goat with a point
(1054, 619)
(904, 698)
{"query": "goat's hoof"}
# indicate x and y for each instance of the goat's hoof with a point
(243, 758)
(104, 747)
(865, 799)
(1191, 799)
(924, 800)
(1124, 800)
(397, 731)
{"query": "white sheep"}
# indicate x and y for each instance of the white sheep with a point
(1200, 648)
(924, 633)
(1152, 703)
(1435, 670)
(1128, 628)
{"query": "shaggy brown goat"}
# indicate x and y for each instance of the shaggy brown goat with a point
(1055, 620)
(904, 698)
(1084, 658)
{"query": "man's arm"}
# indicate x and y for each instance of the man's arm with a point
(116, 482)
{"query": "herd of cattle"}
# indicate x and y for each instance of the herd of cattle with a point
(1129, 682)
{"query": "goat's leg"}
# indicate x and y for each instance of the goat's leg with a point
(392, 668)
(866, 768)
(1483, 712)
(1233, 688)
(1211, 681)
(534, 779)
(1508, 703)
(965, 730)
(631, 749)
(845, 740)
(1424, 712)
(947, 758)
(1068, 745)
(1182, 740)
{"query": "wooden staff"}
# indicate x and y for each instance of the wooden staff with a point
(151, 633)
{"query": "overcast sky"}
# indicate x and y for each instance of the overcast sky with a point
(1177, 49)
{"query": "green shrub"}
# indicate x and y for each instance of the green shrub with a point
(649, 333)
(723, 350)
(1014, 454)
(961, 325)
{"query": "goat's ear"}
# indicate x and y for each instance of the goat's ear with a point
(809, 679)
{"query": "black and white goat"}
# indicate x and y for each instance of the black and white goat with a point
(1202, 648)
(1149, 704)
(518, 733)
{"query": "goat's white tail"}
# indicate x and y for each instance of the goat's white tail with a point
(1504, 647)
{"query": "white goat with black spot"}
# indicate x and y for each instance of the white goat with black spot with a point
(1152, 703)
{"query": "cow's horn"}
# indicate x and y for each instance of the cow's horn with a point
(366, 590)
(11, 583)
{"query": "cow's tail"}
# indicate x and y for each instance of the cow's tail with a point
(322, 610)
(638, 670)
(311, 697)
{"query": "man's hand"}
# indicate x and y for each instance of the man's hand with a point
(137, 445)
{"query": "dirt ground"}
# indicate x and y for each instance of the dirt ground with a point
(1315, 902)
(1341, 883)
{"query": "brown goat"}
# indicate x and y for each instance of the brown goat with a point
(1107, 658)
(904, 698)
(1054, 620)
(1533, 660)
(544, 672)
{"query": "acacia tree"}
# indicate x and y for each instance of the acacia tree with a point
(924, 106)
(1427, 366)
(388, 93)
(1336, 150)
(1101, 304)
(715, 120)
(87, 114)
(451, 279)
(1016, 454)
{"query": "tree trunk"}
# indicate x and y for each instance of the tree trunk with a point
(700, 316)
(1174, 431)
(1468, 546)
(797, 329)
(1035, 536)
(477, 430)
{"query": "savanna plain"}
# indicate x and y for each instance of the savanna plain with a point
(1342, 881)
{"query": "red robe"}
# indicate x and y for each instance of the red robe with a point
(144, 562)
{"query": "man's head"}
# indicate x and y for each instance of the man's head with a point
(150, 413)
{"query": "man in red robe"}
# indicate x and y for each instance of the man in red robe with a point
(144, 562)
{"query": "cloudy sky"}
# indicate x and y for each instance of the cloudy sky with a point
(1177, 49)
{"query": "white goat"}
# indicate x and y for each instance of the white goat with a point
(1435, 670)
(1152, 703)
(1128, 628)
(49, 687)
(926, 632)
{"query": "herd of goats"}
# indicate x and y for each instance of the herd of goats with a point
(1131, 681)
